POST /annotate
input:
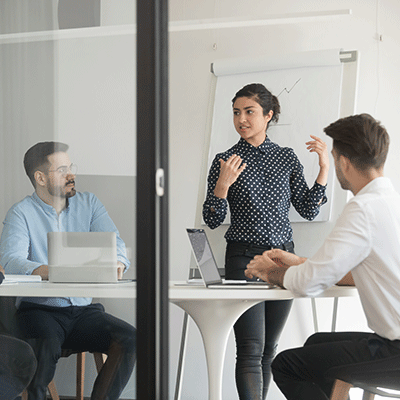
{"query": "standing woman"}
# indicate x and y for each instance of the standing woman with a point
(259, 180)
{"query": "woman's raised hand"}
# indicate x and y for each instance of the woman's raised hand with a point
(319, 146)
(230, 170)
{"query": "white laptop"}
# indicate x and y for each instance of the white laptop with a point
(208, 267)
(82, 257)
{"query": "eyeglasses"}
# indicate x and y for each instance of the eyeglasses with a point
(64, 171)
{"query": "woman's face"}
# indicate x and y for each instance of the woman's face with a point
(249, 120)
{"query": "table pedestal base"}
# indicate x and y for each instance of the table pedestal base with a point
(211, 316)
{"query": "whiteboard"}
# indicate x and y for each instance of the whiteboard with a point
(308, 87)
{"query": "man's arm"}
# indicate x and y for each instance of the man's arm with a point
(346, 247)
(276, 274)
(121, 269)
(272, 265)
(273, 271)
(15, 244)
(43, 271)
(102, 222)
(347, 280)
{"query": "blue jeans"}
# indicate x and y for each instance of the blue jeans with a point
(257, 331)
(78, 328)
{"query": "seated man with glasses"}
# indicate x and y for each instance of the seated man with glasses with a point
(51, 324)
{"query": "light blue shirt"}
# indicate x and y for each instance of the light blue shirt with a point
(23, 243)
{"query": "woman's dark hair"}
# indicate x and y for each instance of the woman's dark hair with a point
(259, 93)
(36, 157)
(360, 138)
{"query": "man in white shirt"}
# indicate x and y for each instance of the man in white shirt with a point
(364, 246)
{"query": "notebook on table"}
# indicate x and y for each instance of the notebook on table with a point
(208, 267)
(82, 257)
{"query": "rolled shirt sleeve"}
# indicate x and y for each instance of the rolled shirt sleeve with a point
(307, 201)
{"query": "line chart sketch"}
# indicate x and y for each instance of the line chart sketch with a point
(288, 90)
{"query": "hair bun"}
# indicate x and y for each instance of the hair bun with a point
(276, 108)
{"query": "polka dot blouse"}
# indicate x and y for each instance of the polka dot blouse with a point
(259, 200)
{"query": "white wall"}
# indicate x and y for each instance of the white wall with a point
(191, 91)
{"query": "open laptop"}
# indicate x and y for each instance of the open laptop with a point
(208, 267)
(82, 257)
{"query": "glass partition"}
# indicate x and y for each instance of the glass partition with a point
(68, 74)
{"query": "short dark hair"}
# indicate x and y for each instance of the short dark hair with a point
(37, 157)
(259, 93)
(360, 138)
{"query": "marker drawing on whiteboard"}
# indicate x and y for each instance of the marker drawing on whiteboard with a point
(288, 91)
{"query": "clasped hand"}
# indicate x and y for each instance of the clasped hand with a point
(272, 265)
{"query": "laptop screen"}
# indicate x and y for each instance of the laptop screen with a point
(82, 257)
(204, 256)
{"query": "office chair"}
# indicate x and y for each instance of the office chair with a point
(17, 366)
(80, 375)
(373, 377)
(8, 326)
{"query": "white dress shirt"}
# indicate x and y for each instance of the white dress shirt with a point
(365, 241)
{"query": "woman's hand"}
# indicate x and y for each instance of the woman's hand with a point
(319, 146)
(230, 170)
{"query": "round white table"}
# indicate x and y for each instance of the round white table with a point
(216, 310)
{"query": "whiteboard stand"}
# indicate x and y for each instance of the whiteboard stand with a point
(182, 352)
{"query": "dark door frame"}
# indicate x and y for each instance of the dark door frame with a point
(152, 206)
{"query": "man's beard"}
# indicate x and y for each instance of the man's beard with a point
(344, 183)
(59, 192)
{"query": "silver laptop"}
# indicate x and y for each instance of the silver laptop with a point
(82, 257)
(208, 267)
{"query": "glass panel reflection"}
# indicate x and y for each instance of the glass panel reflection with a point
(68, 74)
